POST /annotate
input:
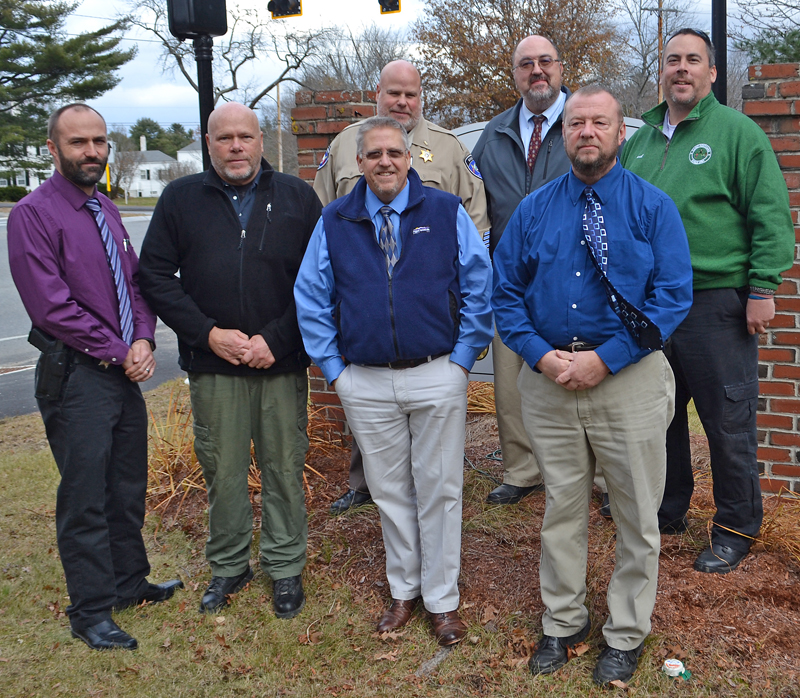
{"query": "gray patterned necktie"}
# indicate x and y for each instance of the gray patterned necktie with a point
(387, 239)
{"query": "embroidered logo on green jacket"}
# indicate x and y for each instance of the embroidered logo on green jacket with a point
(700, 153)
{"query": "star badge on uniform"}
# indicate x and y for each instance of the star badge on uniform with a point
(426, 155)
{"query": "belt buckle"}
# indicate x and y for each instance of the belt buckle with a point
(576, 346)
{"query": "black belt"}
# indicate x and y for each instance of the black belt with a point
(578, 346)
(408, 363)
(86, 360)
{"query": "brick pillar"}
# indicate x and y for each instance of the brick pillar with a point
(772, 99)
(316, 119)
(319, 116)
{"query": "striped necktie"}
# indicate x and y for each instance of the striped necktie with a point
(387, 239)
(115, 265)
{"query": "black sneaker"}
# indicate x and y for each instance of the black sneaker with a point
(216, 596)
(551, 652)
(288, 598)
(616, 665)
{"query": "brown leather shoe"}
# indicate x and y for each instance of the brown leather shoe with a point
(397, 615)
(448, 628)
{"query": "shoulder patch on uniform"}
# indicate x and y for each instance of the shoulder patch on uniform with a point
(472, 166)
(325, 157)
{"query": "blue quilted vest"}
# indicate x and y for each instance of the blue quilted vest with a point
(413, 314)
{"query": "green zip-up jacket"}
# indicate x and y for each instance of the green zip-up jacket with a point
(721, 172)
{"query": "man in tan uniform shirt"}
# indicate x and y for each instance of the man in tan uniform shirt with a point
(438, 157)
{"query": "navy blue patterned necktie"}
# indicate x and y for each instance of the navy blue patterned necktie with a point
(387, 239)
(643, 330)
(115, 265)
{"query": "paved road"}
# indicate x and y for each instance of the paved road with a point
(16, 388)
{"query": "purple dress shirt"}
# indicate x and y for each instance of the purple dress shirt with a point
(60, 267)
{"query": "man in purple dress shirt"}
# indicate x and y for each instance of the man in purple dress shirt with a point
(76, 272)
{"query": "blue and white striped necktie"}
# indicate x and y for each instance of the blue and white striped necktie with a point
(115, 265)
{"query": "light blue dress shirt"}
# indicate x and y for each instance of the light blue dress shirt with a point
(550, 115)
(547, 292)
(315, 286)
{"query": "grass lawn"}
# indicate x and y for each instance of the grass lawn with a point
(330, 649)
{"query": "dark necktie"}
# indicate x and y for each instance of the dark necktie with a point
(115, 265)
(535, 142)
(643, 330)
(387, 239)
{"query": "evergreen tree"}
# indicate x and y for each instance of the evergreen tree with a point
(42, 67)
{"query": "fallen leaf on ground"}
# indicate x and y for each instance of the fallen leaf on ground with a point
(489, 614)
(390, 656)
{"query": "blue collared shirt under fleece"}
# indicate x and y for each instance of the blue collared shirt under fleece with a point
(547, 292)
(315, 286)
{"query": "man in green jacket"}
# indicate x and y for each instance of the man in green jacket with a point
(720, 170)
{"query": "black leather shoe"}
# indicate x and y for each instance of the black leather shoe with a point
(106, 635)
(511, 494)
(674, 528)
(216, 596)
(156, 593)
(616, 665)
(719, 559)
(551, 652)
(288, 598)
(350, 500)
(605, 507)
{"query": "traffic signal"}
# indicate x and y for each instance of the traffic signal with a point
(389, 6)
(285, 8)
(189, 19)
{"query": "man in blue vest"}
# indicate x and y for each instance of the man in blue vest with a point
(393, 305)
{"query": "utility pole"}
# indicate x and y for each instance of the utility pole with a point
(280, 130)
(660, 10)
(203, 52)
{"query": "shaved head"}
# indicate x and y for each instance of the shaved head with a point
(400, 93)
(235, 143)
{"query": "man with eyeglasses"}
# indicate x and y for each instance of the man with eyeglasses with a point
(719, 168)
(519, 151)
(438, 157)
(393, 304)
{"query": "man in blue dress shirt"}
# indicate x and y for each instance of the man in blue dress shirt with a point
(393, 305)
(595, 387)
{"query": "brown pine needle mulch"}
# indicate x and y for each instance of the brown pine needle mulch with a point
(745, 622)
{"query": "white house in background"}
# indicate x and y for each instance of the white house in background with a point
(148, 183)
(192, 156)
(30, 179)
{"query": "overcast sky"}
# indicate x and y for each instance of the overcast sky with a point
(147, 92)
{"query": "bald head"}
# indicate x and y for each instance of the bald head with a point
(399, 93)
(538, 85)
(235, 143)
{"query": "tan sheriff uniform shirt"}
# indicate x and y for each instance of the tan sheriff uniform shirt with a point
(439, 158)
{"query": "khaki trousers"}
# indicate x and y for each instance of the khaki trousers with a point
(410, 426)
(620, 424)
(519, 464)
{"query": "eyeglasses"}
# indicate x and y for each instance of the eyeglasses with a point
(393, 154)
(526, 65)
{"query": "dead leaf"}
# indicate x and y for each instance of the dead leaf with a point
(577, 650)
(391, 635)
(620, 684)
(490, 613)
(390, 656)
(222, 641)
(167, 644)
(220, 620)
(182, 607)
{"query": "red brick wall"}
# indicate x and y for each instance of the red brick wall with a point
(319, 116)
(316, 119)
(772, 99)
